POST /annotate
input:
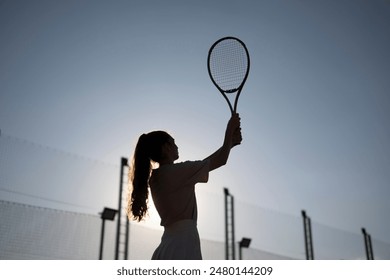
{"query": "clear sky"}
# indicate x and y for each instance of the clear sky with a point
(88, 77)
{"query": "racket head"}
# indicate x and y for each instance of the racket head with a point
(228, 64)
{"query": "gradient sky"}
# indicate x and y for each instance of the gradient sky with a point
(88, 77)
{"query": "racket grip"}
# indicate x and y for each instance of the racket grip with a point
(237, 137)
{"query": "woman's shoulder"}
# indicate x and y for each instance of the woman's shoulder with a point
(190, 164)
(181, 166)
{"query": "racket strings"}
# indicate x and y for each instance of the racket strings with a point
(229, 64)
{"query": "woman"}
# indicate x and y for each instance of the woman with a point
(172, 186)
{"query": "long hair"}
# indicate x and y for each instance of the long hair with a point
(148, 148)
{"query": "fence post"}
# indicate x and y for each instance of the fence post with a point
(308, 236)
(229, 226)
(368, 244)
(118, 229)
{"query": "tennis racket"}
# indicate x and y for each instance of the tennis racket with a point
(228, 65)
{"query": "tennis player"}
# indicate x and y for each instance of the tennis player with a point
(172, 187)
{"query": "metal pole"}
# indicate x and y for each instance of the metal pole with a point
(370, 247)
(369, 251)
(233, 236)
(101, 241)
(366, 243)
(226, 192)
(310, 239)
(305, 234)
(127, 239)
(118, 228)
(239, 251)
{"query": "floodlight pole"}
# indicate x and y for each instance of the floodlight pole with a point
(101, 241)
(107, 214)
(244, 243)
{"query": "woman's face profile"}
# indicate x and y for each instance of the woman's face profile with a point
(170, 151)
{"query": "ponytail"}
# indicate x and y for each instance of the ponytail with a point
(148, 148)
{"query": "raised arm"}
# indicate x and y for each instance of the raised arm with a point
(232, 138)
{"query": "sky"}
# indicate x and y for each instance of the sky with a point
(88, 77)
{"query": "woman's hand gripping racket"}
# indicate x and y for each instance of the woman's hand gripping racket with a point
(228, 65)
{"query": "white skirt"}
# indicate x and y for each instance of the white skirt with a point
(180, 241)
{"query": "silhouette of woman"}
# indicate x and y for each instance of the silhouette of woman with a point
(172, 186)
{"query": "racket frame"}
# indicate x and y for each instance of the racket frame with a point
(233, 109)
